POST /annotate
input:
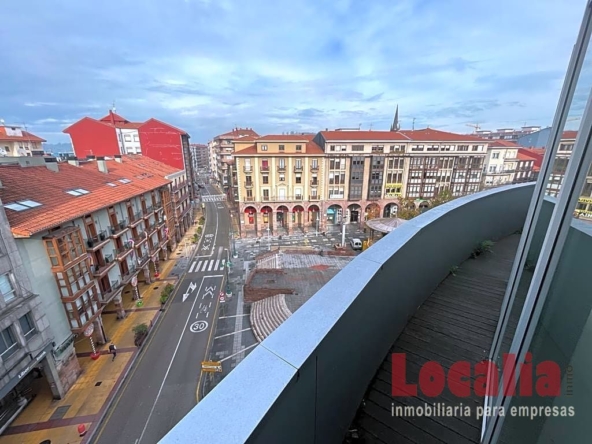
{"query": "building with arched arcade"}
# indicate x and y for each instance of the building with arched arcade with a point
(301, 183)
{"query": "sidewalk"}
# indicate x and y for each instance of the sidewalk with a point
(85, 403)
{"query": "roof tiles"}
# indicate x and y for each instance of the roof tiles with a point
(26, 137)
(58, 207)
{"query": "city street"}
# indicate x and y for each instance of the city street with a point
(162, 386)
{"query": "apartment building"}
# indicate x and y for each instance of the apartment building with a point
(15, 142)
(25, 336)
(88, 231)
(368, 172)
(199, 156)
(506, 163)
(221, 148)
(114, 134)
(506, 133)
(280, 183)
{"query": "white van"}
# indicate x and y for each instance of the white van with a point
(356, 244)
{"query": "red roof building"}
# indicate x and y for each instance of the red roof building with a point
(114, 134)
(16, 142)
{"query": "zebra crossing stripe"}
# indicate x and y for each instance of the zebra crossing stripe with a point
(217, 262)
(211, 265)
(204, 266)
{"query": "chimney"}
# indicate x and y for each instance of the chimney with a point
(73, 160)
(52, 164)
(118, 158)
(102, 164)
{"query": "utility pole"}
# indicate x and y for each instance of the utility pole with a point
(343, 234)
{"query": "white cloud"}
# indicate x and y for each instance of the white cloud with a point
(304, 64)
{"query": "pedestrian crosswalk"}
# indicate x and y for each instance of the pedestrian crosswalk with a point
(213, 198)
(207, 265)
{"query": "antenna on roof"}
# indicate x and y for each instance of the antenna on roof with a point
(113, 107)
(413, 125)
(370, 127)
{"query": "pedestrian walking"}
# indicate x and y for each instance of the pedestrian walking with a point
(113, 351)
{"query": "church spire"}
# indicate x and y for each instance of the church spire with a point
(395, 126)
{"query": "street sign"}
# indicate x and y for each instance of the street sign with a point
(222, 297)
(211, 366)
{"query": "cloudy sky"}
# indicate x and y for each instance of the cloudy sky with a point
(285, 65)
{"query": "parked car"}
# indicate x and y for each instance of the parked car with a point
(356, 244)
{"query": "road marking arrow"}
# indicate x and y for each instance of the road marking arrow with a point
(190, 289)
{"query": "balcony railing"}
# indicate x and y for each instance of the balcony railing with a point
(142, 260)
(100, 270)
(297, 197)
(249, 199)
(117, 230)
(127, 277)
(314, 168)
(108, 294)
(148, 211)
(265, 168)
(314, 183)
(355, 333)
(248, 185)
(248, 168)
(122, 252)
(136, 218)
(281, 168)
(314, 198)
(298, 169)
(95, 242)
(157, 206)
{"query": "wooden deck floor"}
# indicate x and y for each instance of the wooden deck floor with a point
(456, 323)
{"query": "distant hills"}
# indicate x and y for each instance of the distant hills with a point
(58, 147)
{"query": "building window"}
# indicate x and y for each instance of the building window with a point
(6, 288)
(136, 138)
(282, 147)
(495, 155)
(378, 148)
(332, 148)
(417, 148)
(282, 177)
(463, 148)
(265, 179)
(7, 343)
(27, 326)
(263, 147)
(127, 138)
(298, 179)
(298, 147)
(566, 147)
(357, 147)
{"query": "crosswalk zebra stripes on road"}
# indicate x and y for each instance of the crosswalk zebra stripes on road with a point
(213, 198)
(207, 265)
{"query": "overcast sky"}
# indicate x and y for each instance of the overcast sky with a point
(285, 65)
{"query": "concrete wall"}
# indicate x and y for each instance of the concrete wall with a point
(303, 384)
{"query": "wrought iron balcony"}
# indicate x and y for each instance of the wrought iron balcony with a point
(96, 242)
(122, 252)
(117, 230)
(248, 185)
(314, 198)
(148, 211)
(100, 270)
(314, 168)
(136, 219)
(248, 168)
(265, 168)
(126, 277)
(298, 169)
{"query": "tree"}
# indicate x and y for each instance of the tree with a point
(407, 209)
(441, 198)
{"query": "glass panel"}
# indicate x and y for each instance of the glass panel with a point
(560, 158)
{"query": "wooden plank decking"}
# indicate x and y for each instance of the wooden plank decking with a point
(456, 323)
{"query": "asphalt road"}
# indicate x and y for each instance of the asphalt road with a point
(161, 388)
